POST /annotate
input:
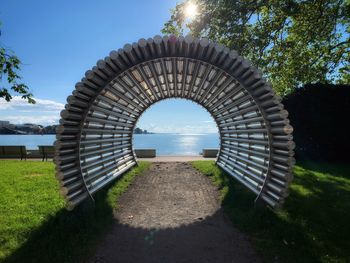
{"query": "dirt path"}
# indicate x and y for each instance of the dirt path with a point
(172, 214)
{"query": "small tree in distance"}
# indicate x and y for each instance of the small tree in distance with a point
(293, 42)
(9, 79)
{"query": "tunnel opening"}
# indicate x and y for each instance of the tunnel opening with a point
(176, 127)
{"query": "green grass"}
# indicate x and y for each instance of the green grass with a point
(312, 226)
(34, 224)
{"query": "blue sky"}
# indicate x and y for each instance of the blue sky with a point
(57, 41)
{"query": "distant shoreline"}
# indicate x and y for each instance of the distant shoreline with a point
(36, 129)
(148, 133)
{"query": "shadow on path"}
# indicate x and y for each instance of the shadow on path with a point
(203, 241)
(172, 214)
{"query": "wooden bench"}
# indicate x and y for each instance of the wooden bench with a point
(19, 151)
(46, 151)
(145, 153)
(210, 153)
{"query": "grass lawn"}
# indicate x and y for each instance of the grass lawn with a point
(312, 226)
(34, 224)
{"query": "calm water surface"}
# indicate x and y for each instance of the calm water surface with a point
(164, 143)
(176, 144)
(30, 141)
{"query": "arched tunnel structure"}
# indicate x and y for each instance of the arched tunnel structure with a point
(94, 138)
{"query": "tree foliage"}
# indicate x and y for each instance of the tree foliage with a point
(293, 42)
(9, 78)
(317, 113)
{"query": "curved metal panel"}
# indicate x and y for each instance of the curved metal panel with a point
(94, 139)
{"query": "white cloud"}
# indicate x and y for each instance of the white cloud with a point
(43, 120)
(18, 111)
(17, 103)
(210, 121)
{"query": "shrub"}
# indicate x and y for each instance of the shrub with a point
(320, 115)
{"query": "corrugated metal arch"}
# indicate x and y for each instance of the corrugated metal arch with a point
(94, 138)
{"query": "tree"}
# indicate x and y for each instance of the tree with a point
(9, 78)
(293, 42)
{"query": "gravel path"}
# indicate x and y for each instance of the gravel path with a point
(172, 214)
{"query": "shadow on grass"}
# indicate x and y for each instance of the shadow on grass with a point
(312, 226)
(67, 236)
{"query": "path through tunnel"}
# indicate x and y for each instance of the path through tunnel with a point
(94, 139)
(172, 213)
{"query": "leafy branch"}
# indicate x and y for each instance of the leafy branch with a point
(11, 84)
(294, 42)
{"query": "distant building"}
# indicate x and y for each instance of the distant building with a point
(29, 128)
(26, 128)
(4, 124)
(140, 131)
(32, 126)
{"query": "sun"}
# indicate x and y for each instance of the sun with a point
(190, 10)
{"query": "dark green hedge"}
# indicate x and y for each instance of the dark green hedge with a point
(320, 115)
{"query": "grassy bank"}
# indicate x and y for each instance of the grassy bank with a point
(312, 226)
(35, 226)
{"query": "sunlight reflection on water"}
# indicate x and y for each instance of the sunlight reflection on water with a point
(176, 144)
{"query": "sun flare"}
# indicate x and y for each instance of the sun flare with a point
(191, 10)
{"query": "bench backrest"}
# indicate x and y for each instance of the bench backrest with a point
(210, 153)
(145, 153)
(13, 151)
(46, 149)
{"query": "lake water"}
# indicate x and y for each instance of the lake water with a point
(164, 143)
